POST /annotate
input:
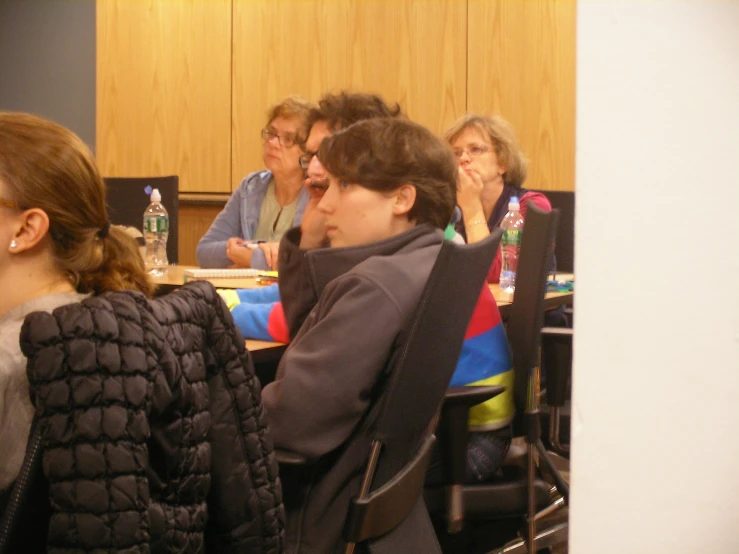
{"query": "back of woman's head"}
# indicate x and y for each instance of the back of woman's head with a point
(45, 166)
(383, 154)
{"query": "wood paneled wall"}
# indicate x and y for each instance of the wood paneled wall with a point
(163, 90)
(522, 66)
(184, 86)
(194, 221)
(409, 51)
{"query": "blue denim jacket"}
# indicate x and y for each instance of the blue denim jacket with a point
(239, 218)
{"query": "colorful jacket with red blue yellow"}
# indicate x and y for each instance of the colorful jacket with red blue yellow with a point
(485, 357)
(258, 312)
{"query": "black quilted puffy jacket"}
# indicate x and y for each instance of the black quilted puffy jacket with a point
(154, 437)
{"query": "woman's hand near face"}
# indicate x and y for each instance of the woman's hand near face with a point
(469, 189)
(313, 226)
(238, 253)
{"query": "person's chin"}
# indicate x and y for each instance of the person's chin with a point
(333, 240)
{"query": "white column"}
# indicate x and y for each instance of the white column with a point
(655, 461)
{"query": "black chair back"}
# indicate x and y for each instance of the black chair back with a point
(526, 316)
(564, 250)
(433, 342)
(127, 202)
(420, 376)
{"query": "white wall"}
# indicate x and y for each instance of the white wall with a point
(655, 459)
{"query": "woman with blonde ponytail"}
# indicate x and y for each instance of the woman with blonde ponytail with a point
(56, 247)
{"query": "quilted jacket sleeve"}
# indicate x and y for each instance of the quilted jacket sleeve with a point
(92, 378)
(245, 501)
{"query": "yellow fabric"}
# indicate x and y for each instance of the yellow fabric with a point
(229, 297)
(496, 412)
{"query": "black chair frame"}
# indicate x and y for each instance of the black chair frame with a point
(524, 324)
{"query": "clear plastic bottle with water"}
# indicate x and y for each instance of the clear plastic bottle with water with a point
(512, 226)
(156, 231)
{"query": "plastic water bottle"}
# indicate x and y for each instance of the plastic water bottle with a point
(512, 226)
(156, 231)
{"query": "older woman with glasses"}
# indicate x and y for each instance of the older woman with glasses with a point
(267, 203)
(492, 169)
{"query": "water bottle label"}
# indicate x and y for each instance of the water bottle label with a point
(156, 225)
(512, 237)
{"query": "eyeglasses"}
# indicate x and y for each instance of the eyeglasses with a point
(474, 151)
(305, 160)
(288, 140)
(9, 204)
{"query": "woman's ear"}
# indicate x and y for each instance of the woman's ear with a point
(405, 198)
(33, 226)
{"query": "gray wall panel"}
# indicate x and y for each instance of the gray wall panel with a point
(47, 61)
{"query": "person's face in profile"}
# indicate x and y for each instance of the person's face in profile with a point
(356, 215)
(314, 171)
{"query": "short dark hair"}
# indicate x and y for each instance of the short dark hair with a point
(339, 110)
(383, 154)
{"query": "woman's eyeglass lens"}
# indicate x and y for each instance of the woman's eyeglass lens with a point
(472, 151)
(285, 140)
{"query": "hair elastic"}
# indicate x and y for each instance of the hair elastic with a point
(102, 233)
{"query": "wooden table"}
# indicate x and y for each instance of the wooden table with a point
(264, 351)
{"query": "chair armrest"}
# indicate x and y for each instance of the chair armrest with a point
(471, 395)
(453, 431)
(558, 331)
(285, 457)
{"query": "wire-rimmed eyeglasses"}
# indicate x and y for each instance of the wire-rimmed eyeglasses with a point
(474, 151)
(286, 140)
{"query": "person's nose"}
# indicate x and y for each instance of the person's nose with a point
(315, 168)
(464, 158)
(327, 204)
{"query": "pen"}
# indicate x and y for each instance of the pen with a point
(253, 244)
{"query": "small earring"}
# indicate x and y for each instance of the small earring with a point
(13, 244)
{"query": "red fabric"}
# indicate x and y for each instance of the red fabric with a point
(538, 200)
(277, 324)
(486, 314)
